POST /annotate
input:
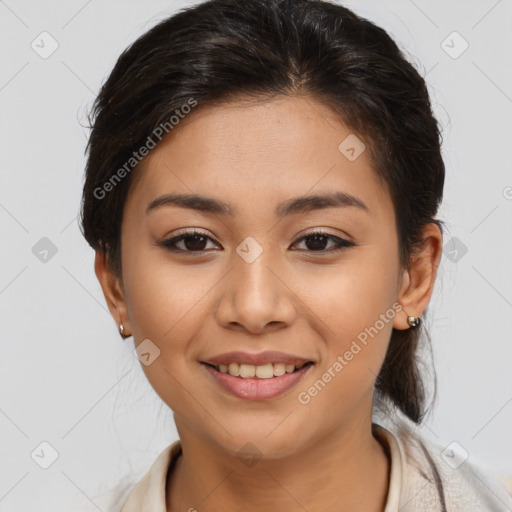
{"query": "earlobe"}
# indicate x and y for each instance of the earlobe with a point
(400, 322)
(112, 291)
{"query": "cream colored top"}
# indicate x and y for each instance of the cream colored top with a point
(412, 485)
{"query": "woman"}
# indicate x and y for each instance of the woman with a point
(261, 190)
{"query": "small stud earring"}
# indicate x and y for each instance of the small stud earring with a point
(414, 321)
(121, 331)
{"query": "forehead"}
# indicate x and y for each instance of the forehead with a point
(255, 153)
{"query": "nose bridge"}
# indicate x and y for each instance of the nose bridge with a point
(255, 286)
(254, 296)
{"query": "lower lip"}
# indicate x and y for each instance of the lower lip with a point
(254, 388)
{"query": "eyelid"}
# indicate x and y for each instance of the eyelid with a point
(178, 236)
(340, 242)
(191, 232)
(325, 231)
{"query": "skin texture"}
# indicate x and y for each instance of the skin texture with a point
(292, 298)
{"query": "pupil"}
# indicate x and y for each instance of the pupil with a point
(316, 238)
(196, 243)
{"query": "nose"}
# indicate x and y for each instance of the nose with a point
(256, 296)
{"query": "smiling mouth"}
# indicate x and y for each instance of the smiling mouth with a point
(265, 371)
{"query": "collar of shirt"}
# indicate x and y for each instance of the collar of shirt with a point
(417, 466)
(150, 492)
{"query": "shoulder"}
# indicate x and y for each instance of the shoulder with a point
(150, 492)
(432, 477)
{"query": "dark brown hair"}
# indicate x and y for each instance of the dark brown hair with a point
(222, 50)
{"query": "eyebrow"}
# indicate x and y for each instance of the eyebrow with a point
(301, 204)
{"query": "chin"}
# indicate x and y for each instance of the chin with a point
(260, 443)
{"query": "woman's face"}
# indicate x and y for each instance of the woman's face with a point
(257, 282)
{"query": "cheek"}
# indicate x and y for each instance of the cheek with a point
(166, 304)
(163, 299)
(356, 336)
(352, 296)
(356, 306)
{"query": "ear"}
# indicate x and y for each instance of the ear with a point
(418, 282)
(112, 290)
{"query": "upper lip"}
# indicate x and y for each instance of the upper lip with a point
(259, 359)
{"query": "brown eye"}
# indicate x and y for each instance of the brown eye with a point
(193, 241)
(196, 242)
(318, 240)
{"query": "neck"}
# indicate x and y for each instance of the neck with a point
(345, 469)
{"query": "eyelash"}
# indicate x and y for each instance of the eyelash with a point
(171, 243)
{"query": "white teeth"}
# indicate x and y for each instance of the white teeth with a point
(233, 369)
(279, 369)
(247, 371)
(289, 368)
(264, 371)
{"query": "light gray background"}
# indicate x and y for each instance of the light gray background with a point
(66, 377)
